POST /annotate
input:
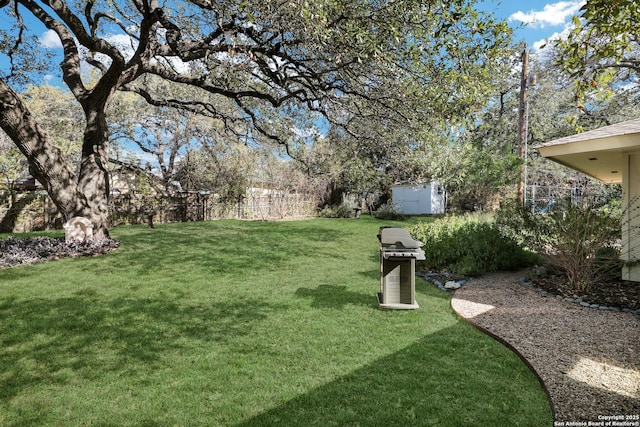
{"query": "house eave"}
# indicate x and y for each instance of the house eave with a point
(599, 153)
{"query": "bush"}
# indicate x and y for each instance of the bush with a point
(469, 245)
(389, 212)
(578, 240)
(339, 211)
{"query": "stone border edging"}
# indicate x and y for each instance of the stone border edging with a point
(543, 292)
(453, 285)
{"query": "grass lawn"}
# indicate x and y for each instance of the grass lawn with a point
(235, 323)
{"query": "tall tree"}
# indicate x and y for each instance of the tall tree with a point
(59, 115)
(553, 113)
(484, 168)
(222, 168)
(350, 60)
(162, 136)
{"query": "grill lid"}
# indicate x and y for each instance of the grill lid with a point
(397, 238)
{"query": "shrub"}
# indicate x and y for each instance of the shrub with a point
(469, 245)
(579, 240)
(389, 212)
(339, 211)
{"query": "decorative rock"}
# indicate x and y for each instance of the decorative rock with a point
(579, 300)
(78, 229)
(452, 285)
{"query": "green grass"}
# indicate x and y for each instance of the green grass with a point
(236, 323)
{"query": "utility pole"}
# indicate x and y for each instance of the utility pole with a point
(522, 124)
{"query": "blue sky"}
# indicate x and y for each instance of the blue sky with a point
(535, 20)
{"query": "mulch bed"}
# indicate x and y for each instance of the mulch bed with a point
(611, 293)
(14, 251)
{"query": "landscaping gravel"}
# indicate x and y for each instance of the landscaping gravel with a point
(587, 358)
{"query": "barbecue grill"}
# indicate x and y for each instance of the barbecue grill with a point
(398, 255)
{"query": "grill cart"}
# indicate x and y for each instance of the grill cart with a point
(398, 255)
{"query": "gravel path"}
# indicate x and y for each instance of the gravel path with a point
(588, 359)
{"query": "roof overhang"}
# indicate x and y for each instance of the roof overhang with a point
(598, 153)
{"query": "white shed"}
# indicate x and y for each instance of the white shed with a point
(418, 198)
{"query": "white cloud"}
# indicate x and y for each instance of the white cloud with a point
(555, 36)
(50, 40)
(175, 63)
(123, 42)
(552, 15)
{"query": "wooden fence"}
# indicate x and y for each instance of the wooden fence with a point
(31, 211)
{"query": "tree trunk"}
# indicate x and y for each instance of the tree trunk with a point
(83, 195)
(46, 162)
(93, 180)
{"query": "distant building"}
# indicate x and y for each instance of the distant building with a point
(419, 198)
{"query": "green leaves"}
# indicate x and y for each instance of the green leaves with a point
(570, 237)
(602, 47)
(468, 245)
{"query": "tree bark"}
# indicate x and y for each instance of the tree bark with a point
(47, 163)
(83, 195)
(93, 179)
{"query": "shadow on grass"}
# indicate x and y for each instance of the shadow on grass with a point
(335, 297)
(338, 296)
(110, 334)
(226, 247)
(429, 383)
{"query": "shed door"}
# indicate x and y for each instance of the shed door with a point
(412, 200)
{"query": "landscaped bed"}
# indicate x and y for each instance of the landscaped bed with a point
(245, 323)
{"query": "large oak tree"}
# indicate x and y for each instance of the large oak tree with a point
(401, 63)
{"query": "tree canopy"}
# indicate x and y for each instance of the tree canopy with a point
(399, 64)
(603, 46)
